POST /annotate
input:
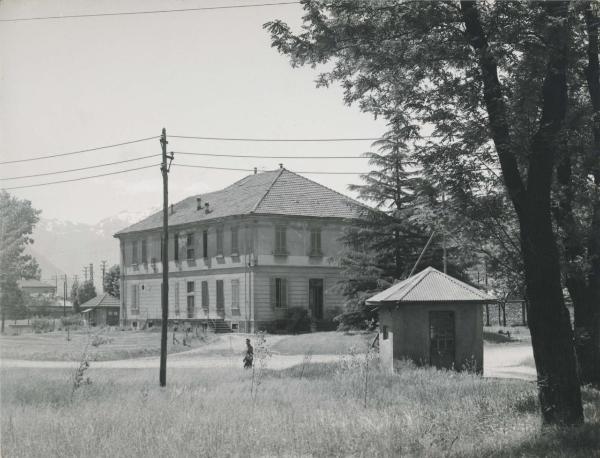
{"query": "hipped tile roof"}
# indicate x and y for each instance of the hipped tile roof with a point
(276, 192)
(102, 300)
(430, 285)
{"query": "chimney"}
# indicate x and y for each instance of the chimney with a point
(280, 165)
(206, 207)
(198, 203)
(255, 170)
(172, 209)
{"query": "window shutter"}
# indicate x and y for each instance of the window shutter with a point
(273, 293)
(283, 239)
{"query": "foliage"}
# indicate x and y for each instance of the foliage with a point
(17, 219)
(71, 321)
(112, 281)
(40, 325)
(471, 85)
(81, 293)
(298, 320)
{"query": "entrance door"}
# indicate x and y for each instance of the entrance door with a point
(315, 298)
(441, 339)
(112, 317)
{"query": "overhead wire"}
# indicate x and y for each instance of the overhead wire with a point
(131, 13)
(81, 178)
(78, 169)
(250, 139)
(87, 150)
(260, 156)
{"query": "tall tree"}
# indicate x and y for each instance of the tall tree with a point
(112, 281)
(490, 79)
(17, 219)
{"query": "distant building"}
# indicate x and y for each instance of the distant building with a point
(432, 318)
(102, 310)
(242, 256)
(37, 287)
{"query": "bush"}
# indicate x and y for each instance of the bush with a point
(298, 320)
(71, 321)
(40, 325)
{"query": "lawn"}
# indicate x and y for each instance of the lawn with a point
(113, 344)
(307, 410)
(323, 343)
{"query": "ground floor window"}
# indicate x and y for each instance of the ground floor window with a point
(235, 296)
(190, 306)
(279, 292)
(220, 295)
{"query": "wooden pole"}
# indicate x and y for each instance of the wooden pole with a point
(165, 264)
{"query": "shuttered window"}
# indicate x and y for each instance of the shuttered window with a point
(177, 298)
(205, 244)
(144, 251)
(280, 240)
(205, 297)
(220, 295)
(191, 255)
(235, 296)
(279, 292)
(315, 241)
(175, 246)
(134, 252)
(235, 249)
(219, 241)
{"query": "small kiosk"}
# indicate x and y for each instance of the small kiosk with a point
(434, 319)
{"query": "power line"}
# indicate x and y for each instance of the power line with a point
(82, 178)
(254, 156)
(131, 13)
(241, 139)
(78, 169)
(252, 170)
(80, 151)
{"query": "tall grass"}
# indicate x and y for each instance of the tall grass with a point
(415, 412)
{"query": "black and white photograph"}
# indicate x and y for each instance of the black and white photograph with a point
(304, 228)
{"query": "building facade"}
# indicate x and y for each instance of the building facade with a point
(243, 257)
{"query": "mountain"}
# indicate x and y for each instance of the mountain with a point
(64, 247)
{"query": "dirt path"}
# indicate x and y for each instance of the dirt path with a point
(512, 360)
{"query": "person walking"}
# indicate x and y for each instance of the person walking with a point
(249, 358)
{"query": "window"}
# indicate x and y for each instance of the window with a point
(177, 298)
(219, 241)
(135, 306)
(220, 295)
(205, 244)
(176, 246)
(134, 253)
(190, 247)
(315, 241)
(234, 240)
(205, 299)
(279, 292)
(144, 251)
(190, 287)
(280, 240)
(235, 296)
(190, 306)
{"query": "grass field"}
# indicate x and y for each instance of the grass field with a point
(307, 410)
(115, 344)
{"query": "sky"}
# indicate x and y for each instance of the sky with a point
(73, 84)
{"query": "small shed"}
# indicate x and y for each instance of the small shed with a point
(102, 310)
(432, 318)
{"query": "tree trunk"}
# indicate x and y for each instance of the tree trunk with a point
(549, 322)
(2, 325)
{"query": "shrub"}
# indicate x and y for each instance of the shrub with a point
(71, 321)
(40, 325)
(298, 320)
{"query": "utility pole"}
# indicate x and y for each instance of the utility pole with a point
(103, 267)
(92, 273)
(65, 296)
(165, 241)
